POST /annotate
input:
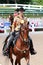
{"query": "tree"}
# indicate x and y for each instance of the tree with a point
(7, 1)
(24, 1)
(39, 2)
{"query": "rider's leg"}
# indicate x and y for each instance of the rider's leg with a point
(6, 50)
(5, 43)
(10, 40)
(7, 38)
(32, 51)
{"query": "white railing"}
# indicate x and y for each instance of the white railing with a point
(22, 5)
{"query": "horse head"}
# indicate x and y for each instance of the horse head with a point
(24, 31)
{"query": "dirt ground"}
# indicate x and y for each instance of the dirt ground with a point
(34, 59)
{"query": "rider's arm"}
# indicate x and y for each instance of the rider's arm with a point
(14, 24)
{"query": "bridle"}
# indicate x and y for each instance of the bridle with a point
(24, 41)
(21, 32)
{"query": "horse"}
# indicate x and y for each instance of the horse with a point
(21, 48)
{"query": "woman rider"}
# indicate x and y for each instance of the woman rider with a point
(11, 18)
(16, 25)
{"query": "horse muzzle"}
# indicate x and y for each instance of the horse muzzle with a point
(25, 40)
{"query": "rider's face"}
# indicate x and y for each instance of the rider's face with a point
(21, 13)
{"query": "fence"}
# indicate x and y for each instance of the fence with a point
(9, 8)
(22, 5)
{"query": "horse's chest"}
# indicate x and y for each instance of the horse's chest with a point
(24, 52)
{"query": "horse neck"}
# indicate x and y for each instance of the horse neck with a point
(20, 43)
(21, 39)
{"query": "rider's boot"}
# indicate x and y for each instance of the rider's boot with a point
(32, 51)
(5, 42)
(5, 51)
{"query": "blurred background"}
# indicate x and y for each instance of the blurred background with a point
(33, 11)
(34, 14)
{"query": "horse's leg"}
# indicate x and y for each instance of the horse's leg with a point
(10, 55)
(5, 42)
(17, 61)
(27, 60)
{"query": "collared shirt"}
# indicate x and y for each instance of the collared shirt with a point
(18, 20)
